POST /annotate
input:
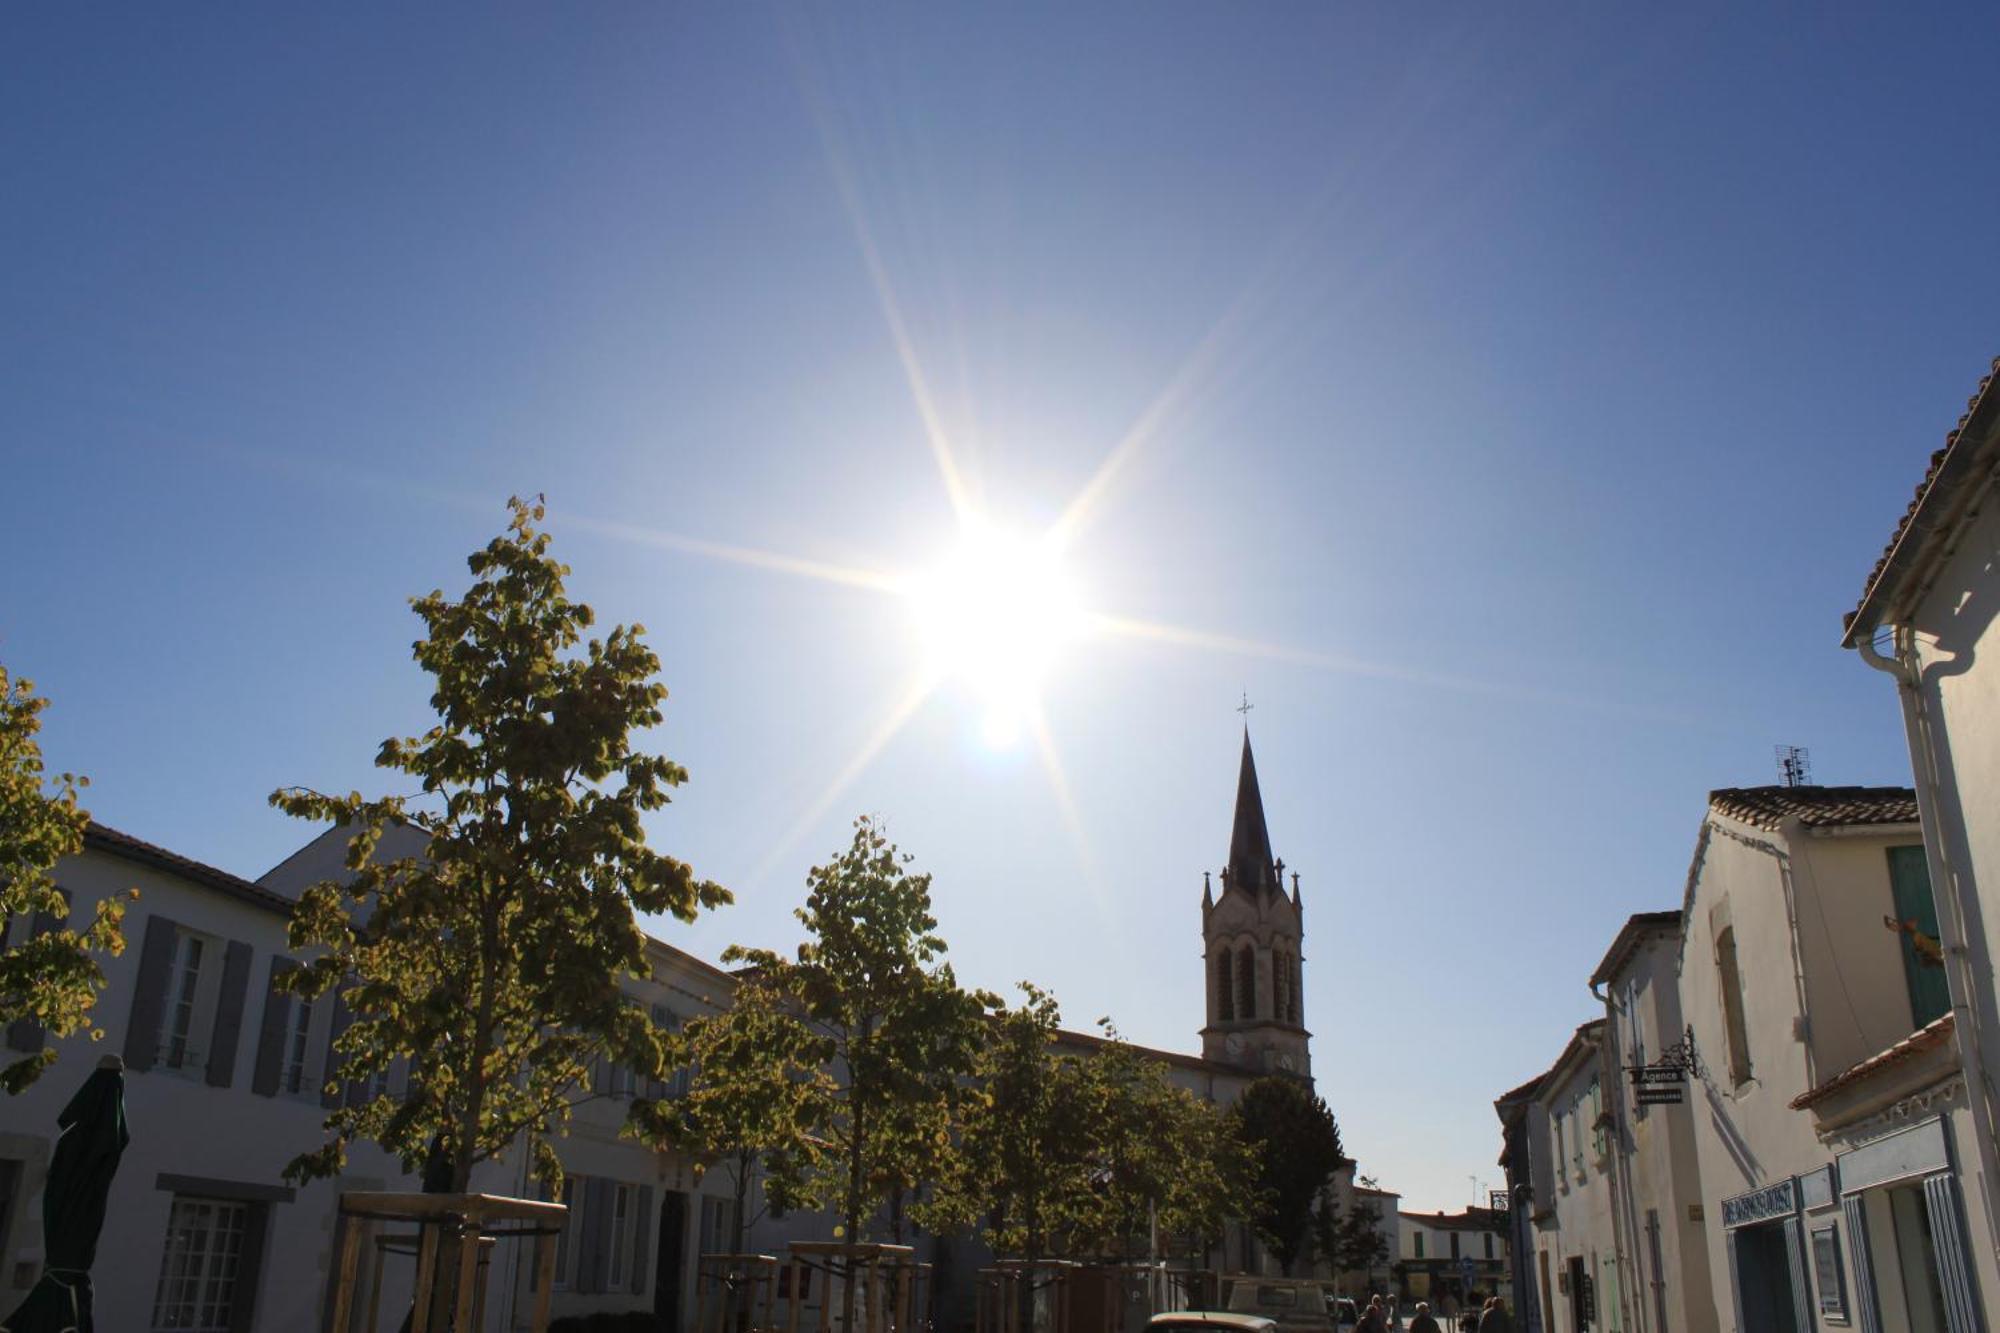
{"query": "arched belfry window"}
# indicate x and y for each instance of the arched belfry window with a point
(1246, 982)
(1225, 988)
(1298, 992)
(1281, 985)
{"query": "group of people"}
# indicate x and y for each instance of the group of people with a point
(1489, 1318)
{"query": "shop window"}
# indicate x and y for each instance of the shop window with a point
(1916, 922)
(1735, 1029)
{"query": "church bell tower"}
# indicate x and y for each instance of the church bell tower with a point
(1250, 936)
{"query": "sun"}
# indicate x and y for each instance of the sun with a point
(995, 616)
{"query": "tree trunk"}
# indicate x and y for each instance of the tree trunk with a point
(856, 1155)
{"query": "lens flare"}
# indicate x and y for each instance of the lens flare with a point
(995, 617)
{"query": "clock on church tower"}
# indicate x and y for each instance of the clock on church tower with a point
(1250, 936)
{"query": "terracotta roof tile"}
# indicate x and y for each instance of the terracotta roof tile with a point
(1929, 1037)
(109, 840)
(1816, 807)
(1923, 491)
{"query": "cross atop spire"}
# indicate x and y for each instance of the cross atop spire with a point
(1250, 864)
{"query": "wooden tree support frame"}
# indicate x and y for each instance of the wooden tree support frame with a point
(1084, 1298)
(754, 1276)
(1010, 1299)
(884, 1281)
(463, 1218)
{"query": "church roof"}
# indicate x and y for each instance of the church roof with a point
(1250, 860)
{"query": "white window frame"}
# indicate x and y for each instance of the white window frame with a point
(295, 1070)
(191, 998)
(621, 1235)
(198, 1294)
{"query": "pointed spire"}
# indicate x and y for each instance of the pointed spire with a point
(1250, 864)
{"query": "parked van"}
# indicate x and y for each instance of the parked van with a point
(1296, 1306)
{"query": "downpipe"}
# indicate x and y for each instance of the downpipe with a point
(1906, 666)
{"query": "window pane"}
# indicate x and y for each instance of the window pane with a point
(199, 1265)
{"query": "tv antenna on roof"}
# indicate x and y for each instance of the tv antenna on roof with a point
(1795, 763)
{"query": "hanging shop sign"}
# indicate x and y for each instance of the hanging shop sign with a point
(1664, 1081)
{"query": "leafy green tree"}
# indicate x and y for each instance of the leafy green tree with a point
(1358, 1240)
(52, 977)
(1295, 1148)
(490, 959)
(755, 1089)
(1023, 1170)
(1163, 1162)
(889, 1021)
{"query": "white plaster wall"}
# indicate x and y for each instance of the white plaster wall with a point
(1857, 998)
(1665, 1171)
(1961, 693)
(181, 1126)
(1856, 1003)
(1583, 1203)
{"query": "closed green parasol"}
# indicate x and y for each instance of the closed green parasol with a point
(91, 1139)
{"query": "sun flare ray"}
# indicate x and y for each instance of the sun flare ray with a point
(840, 167)
(753, 557)
(1181, 637)
(893, 721)
(1052, 767)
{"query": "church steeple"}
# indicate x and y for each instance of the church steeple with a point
(1250, 864)
(1251, 934)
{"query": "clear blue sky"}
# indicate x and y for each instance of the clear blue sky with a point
(1571, 364)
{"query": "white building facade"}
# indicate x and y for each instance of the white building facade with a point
(1924, 619)
(1831, 1119)
(1576, 1240)
(1657, 1211)
(223, 1088)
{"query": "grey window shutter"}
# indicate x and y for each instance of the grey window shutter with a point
(149, 995)
(229, 1013)
(600, 1074)
(249, 1267)
(591, 1259)
(271, 1034)
(601, 1261)
(26, 1034)
(341, 1017)
(642, 1250)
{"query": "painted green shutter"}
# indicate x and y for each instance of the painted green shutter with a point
(149, 995)
(1910, 881)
